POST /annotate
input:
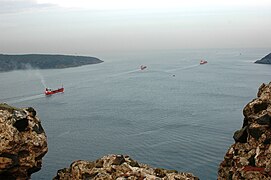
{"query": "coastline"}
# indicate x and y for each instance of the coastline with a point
(43, 61)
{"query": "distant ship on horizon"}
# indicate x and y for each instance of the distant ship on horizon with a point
(142, 67)
(203, 62)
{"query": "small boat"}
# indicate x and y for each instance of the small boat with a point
(203, 62)
(142, 67)
(50, 92)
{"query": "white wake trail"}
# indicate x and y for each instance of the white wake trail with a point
(183, 68)
(28, 98)
(126, 72)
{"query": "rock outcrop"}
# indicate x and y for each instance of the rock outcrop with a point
(265, 60)
(118, 167)
(250, 156)
(23, 142)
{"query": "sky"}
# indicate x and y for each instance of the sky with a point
(95, 26)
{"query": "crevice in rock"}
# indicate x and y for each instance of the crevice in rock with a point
(245, 122)
(251, 160)
(8, 176)
(264, 120)
(34, 169)
(241, 135)
(259, 107)
(21, 124)
(255, 133)
(267, 141)
(23, 154)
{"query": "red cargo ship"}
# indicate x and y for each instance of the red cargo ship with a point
(50, 92)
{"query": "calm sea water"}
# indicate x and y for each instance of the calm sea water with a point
(175, 114)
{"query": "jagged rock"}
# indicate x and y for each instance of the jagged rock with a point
(118, 167)
(23, 142)
(250, 156)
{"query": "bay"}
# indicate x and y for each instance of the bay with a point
(176, 114)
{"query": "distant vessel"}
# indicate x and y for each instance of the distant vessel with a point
(142, 67)
(50, 92)
(203, 62)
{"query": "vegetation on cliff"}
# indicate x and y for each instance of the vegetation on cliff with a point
(43, 61)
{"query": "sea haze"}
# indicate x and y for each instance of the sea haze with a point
(176, 114)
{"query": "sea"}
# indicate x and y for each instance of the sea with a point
(175, 114)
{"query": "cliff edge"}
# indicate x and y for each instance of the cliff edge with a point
(23, 142)
(250, 156)
(119, 167)
(265, 60)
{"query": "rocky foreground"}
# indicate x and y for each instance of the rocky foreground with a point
(23, 142)
(250, 156)
(118, 167)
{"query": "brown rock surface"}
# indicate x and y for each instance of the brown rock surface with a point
(23, 142)
(118, 167)
(250, 156)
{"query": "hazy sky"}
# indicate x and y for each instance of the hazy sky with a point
(96, 26)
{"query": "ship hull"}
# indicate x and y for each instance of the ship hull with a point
(50, 92)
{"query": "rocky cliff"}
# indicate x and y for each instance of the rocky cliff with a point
(23, 142)
(265, 60)
(250, 156)
(118, 167)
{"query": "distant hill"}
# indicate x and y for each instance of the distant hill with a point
(43, 61)
(265, 60)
